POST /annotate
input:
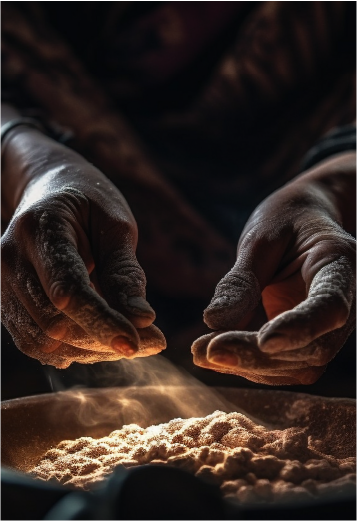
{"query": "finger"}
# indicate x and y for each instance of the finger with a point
(322, 350)
(152, 341)
(235, 297)
(63, 356)
(30, 293)
(326, 308)
(239, 349)
(66, 282)
(123, 284)
(27, 335)
(288, 377)
(50, 320)
(31, 341)
(239, 292)
(25, 345)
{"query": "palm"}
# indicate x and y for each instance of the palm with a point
(284, 295)
(287, 306)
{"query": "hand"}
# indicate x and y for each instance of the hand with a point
(72, 289)
(288, 304)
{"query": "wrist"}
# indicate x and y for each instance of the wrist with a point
(13, 173)
(34, 166)
(335, 179)
(29, 155)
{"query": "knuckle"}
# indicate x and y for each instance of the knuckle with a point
(51, 208)
(63, 192)
(263, 228)
(67, 198)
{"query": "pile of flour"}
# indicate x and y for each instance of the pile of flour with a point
(248, 461)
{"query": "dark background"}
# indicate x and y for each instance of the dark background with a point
(228, 160)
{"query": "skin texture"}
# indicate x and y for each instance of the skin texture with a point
(288, 304)
(72, 288)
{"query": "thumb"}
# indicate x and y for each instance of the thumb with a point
(259, 252)
(236, 296)
(122, 282)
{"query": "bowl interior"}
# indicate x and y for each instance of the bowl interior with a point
(32, 425)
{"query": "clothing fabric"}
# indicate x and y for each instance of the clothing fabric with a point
(338, 140)
(195, 110)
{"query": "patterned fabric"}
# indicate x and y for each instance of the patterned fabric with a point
(218, 101)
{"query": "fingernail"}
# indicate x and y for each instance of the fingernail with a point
(223, 357)
(272, 343)
(141, 305)
(60, 297)
(51, 346)
(57, 330)
(124, 346)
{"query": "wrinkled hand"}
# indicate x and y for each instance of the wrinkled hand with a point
(288, 304)
(72, 289)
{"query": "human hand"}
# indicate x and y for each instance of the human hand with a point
(72, 289)
(288, 304)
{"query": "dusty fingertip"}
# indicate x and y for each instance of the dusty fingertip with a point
(139, 312)
(223, 314)
(223, 357)
(152, 341)
(50, 347)
(201, 343)
(219, 310)
(141, 306)
(124, 346)
(236, 295)
(212, 317)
